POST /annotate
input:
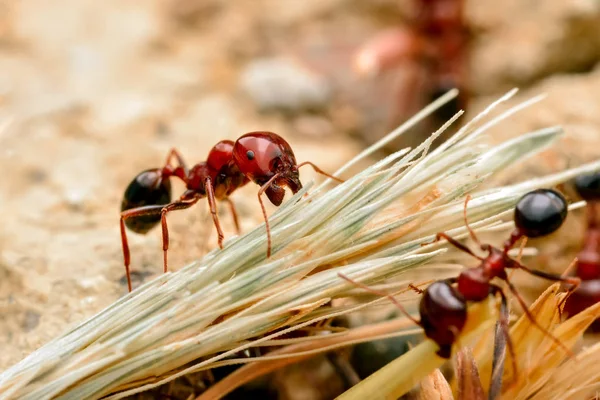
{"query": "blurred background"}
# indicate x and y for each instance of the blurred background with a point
(93, 92)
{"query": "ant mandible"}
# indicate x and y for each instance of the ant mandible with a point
(264, 158)
(588, 259)
(443, 306)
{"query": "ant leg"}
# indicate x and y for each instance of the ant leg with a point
(533, 321)
(570, 267)
(319, 170)
(236, 221)
(471, 232)
(573, 281)
(415, 289)
(521, 248)
(454, 243)
(151, 210)
(178, 205)
(181, 170)
(264, 211)
(520, 255)
(210, 194)
(378, 293)
(134, 212)
(126, 254)
(344, 369)
(498, 346)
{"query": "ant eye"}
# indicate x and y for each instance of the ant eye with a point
(250, 155)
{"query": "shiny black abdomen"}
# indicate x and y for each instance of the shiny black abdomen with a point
(146, 189)
(443, 315)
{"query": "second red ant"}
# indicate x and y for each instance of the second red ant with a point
(588, 259)
(443, 306)
(264, 158)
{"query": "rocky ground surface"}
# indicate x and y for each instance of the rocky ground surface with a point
(94, 92)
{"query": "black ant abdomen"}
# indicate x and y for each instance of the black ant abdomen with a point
(148, 188)
(443, 313)
(540, 212)
(588, 186)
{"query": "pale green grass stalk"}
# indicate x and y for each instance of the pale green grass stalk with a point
(370, 228)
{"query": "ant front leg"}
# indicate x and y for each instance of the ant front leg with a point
(264, 210)
(210, 194)
(533, 321)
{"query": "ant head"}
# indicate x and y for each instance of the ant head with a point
(148, 188)
(262, 155)
(588, 186)
(540, 212)
(220, 155)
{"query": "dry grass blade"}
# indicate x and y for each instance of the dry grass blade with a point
(401, 375)
(467, 376)
(436, 387)
(540, 361)
(370, 228)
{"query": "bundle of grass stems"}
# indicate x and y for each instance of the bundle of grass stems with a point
(372, 229)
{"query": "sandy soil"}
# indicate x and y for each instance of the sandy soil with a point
(94, 92)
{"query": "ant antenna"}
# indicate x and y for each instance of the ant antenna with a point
(471, 232)
(379, 293)
(533, 321)
(319, 170)
(519, 255)
(521, 248)
(453, 242)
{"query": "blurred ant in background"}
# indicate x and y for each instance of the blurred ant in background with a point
(264, 158)
(434, 48)
(443, 305)
(588, 259)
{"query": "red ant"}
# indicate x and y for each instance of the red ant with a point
(262, 157)
(437, 43)
(443, 306)
(588, 264)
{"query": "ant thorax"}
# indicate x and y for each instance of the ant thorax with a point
(197, 177)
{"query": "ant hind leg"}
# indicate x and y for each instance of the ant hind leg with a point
(534, 322)
(126, 253)
(573, 281)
